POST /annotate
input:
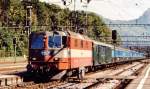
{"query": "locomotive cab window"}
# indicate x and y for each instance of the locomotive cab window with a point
(55, 41)
(64, 41)
(37, 42)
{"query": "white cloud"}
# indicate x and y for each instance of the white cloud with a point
(112, 9)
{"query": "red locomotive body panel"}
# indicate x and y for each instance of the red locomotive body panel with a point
(81, 52)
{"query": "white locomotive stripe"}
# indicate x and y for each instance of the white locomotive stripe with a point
(140, 86)
(74, 53)
(81, 53)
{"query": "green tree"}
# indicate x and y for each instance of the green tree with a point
(4, 5)
(16, 13)
(13, 12)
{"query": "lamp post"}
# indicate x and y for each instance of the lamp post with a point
(28, 7)
(86, 16)
(85, 5)
(28, 18)
(4, 45)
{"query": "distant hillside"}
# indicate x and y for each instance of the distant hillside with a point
(133, 30)
(145, 19)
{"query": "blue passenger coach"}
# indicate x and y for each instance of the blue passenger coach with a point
(106, 53)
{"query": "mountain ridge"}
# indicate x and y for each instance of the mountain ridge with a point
(141, 20)
(135, 30)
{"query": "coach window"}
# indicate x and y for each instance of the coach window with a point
(97, 48)
(103, 49)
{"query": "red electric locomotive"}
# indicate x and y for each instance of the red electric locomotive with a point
(58, 51)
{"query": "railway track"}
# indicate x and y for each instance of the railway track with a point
(117, 81)
(109, 81)
(111, 76)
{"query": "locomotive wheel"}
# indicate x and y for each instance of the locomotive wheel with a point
(29, 68)
(81, 73)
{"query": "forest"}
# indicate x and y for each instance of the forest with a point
(44, 17)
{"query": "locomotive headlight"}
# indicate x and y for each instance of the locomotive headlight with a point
(34, 59)
(45, 52)
(57, 59)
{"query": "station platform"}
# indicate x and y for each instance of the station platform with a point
(7, 80)
(142, 81)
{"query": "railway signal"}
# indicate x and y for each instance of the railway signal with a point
(14, 43)
(114, 36)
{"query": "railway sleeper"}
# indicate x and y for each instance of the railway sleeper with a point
(8, 80)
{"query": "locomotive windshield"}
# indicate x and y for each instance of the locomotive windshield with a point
(55, 41)
(37, 42)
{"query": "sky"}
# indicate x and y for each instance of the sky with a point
(111, 9)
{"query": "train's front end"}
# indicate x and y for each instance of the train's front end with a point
(47, 52)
